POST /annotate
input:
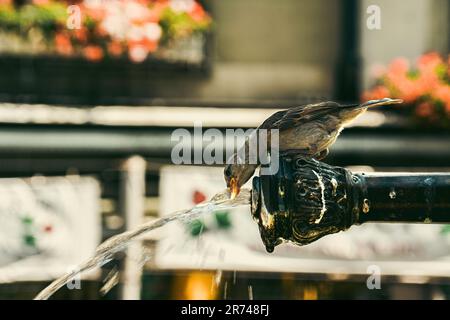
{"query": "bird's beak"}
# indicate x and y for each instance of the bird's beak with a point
(234, 188)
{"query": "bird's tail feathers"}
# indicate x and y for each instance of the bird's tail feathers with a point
(381, 102)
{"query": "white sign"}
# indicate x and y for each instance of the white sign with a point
(47, 225)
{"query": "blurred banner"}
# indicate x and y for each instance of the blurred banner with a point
(47, 226)
(229, 240)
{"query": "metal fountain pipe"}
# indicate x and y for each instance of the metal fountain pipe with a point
(307, 199)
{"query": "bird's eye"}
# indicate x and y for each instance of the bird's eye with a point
(228, 171)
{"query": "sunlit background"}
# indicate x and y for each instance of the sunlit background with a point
(91, 91)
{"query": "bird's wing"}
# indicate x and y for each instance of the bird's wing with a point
(299, 115)
(270, 121)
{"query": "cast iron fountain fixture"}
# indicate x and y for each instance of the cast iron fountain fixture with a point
(307, 199)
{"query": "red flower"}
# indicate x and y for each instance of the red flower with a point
(197, 13)
(94, 10)
(425, 109)
(428, 80)
(429, 61)
(376, 93)
(63, 45)
(399, 66)
(80, 34)
(442, 93)
(377, 70)
(408, 90)
(115, 48)
(40, 2)
(151, 46)
(93, 53)
(139, 49)
(157, 10)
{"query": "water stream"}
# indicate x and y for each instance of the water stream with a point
(105, 251)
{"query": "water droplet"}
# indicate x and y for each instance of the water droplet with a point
(225, 289)
(366, 206)
(250, 293)
(111, 280)
(392, 194)
(218, 277)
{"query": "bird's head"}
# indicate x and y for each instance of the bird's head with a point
(236, 174)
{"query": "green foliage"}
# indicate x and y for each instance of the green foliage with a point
(413, 74)
(9, 18)
(45, 17)
(442, 73)
(181, 24)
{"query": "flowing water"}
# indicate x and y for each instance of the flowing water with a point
(105, 252)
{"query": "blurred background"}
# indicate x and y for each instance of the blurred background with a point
(91, 91)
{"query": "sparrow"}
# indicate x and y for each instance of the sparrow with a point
(307, 130)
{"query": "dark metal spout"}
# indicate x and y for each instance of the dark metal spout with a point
(308, 199)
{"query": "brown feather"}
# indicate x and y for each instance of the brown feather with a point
(295, 116)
